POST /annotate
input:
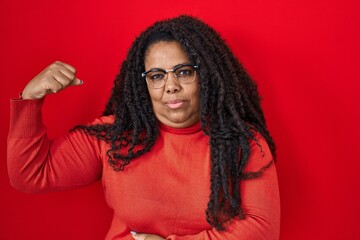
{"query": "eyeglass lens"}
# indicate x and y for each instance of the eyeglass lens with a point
(184, 74)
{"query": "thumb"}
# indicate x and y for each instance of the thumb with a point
(76, 82)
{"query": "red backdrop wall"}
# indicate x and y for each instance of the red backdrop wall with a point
(304, 55)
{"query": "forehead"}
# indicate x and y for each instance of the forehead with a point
(165, 54)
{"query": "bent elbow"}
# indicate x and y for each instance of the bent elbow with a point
(24, 181)
(20, 184)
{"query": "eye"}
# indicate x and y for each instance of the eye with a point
(185, 72)
(156, 76)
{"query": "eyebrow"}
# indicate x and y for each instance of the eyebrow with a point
(177, 65)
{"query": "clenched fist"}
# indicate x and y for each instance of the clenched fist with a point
(54, 78)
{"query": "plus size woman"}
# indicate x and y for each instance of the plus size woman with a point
(182, 148)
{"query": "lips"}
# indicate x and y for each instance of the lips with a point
(174, 104)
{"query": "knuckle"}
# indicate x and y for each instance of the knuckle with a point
(72, 69)
(49, 71)
(55, 65)
(66, 83)
(51, 67)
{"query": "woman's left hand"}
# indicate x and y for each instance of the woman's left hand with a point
(144, 236)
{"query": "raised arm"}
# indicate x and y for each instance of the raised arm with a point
(36, 163)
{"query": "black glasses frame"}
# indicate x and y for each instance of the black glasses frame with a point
(169, 70)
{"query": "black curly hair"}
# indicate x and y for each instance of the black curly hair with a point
(229, 103)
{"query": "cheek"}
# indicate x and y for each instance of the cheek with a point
(195, 94)
(155, 95)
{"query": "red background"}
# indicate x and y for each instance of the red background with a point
(304, 54)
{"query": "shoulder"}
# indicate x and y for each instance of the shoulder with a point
(102, 120)
(258, 141)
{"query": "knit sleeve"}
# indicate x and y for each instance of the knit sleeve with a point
(260, 201)
(38, 164)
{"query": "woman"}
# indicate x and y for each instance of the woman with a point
(182, 148)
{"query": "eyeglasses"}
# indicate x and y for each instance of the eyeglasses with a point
(184, 74)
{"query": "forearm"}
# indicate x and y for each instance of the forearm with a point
(260, 201)
(250, 228)
(262, 213)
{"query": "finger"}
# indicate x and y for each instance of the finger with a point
(67, 66)
(55, 86)
(52, 85)
(76, 82)
(65, 70)
(61, 86)
(63, 80)
(69, 74)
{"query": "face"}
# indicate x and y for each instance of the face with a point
(175, 105)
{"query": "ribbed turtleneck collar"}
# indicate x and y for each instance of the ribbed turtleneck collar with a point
(196, 127)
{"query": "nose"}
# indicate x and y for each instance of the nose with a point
(172, 85)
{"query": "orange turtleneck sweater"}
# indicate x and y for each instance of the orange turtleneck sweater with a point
(163, 192)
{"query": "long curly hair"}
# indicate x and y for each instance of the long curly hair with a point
(229, 103)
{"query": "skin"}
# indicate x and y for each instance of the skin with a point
(54, 78)
(144, 236)
(166, 100)
(174, 105)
